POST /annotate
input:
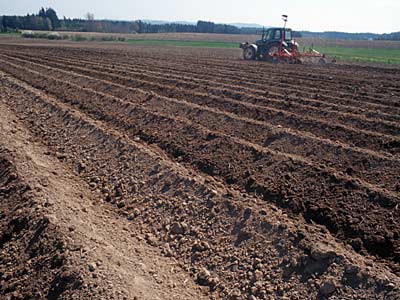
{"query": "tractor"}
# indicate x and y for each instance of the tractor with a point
(277, 45)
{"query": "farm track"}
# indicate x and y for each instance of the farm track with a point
(373, 140)
(383, 122)
(207, 149)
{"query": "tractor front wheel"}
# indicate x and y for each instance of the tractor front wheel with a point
(249, 53)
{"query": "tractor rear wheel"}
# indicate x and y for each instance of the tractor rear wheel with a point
(249, 53)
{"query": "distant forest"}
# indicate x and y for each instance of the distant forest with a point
(47, 19)
(395, 36)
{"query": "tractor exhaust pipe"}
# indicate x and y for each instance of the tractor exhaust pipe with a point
(285, 18)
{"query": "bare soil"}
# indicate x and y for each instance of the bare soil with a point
(59, 241)
(252, 180)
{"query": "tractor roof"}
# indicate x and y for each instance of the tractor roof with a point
(273, 28)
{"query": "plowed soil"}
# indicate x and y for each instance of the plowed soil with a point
(257, 181)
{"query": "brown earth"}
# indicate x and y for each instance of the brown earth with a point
(260, 181)
(58, 241)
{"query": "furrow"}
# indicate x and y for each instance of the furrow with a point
(280, 179)
(371, 140)
(359, 164)
(291, 100)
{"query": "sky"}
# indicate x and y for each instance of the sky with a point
(377, 16)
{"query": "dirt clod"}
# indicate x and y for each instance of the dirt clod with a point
(327, 288)
(92, 267)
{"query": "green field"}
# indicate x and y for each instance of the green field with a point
(347, 53)
(391, 56)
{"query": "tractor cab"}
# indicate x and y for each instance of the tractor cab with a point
(275, 34)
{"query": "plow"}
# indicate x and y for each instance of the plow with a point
(278, 46)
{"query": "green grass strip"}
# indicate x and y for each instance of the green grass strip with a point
(381, 55)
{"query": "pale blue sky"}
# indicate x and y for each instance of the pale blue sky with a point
(317, 15)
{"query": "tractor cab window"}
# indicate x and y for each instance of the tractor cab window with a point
(288, 35)
(268, 35)
(277, 35)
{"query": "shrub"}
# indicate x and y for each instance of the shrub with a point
(28, 34)
(41, 35)
(107, 38)
(78, 38)
(54, 36)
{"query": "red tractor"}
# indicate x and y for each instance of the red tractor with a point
(278, 45)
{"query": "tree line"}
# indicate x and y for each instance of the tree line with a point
(201, 27)
(395, 36)
(47, 19)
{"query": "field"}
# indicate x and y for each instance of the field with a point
(387, 52)
(158, 172)
(341, 53)
(359, 51)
